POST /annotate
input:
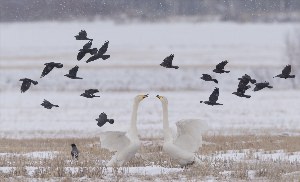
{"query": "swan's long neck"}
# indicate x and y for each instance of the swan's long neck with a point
(133, 127)
(167, 133)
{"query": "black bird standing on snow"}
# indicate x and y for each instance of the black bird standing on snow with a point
(220, 67)
(74, 151)
(72, 73)
(90, 93)
(48, 105)
(82, 35)
(86, 49)
(49, 67)
(207, 77)
(213, 98)
(259, 86)
(167, 62)
(103, 119)
(26, 84)
(286, 72)
(100, 53)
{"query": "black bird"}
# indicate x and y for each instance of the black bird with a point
(213, 98)
(167, 62)
(74, 151)
(207, 77)
(48, 105)
(90, 93)
(220, 67)
(82, 35)
(49, 67)
(26, 84)
(72, 73)
(242, 87)
(286, 72)
(86, 49)
(259, 86)
(246, 79)
(100, 53)
(103, 119)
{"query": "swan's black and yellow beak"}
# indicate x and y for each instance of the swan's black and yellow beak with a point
(144, 96)
(159, 97)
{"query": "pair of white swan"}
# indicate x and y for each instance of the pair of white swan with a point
(181, 148)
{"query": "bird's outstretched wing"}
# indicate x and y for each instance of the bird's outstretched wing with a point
(206, 76)
(103, 49)
(47, 69)
(214, 95)
(189, 134)
(221, 65)
(167, 62)
(82, 33)
(92, 58)
(287, 70)
(114, 140)
(58, 65)
(74, 70)
(92, 91)
(80, 55)
(88, 45)
(25, 86)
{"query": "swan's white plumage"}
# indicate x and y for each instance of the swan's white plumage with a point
(125, 144)
(114, 140)
(189, 137)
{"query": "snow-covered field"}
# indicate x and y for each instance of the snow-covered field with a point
(136, 51)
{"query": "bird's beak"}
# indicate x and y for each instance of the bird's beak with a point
(159, 97)
(144, 96)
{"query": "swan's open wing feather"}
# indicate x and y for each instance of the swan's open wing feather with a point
(189, 134)
(114, 140)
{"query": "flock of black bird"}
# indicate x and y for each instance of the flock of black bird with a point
(243, 85)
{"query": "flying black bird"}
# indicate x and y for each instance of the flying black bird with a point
(213, 98)
(246, 79)
(48, 105)
(100, 53)
(286, 72)
(242, 89)
(72, 73)
(103, 119)
(259, 86)
(49, 67)
(207, 77)
(74, 151)
(26, 84)
(90, 93)
(220, 67)
(86, 49)
(82, 35)
(167, 62)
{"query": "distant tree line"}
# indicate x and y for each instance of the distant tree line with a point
(150, 10)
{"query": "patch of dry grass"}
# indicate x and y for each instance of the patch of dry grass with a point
(89, 166)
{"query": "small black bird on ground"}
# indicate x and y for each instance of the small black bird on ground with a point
(259, 86)
(286, 72)
(90, 93)
(220, 67)
(72, 73)
(167, 62)
(82, 35)
(213, 98)
(86, 49)
(26, 84)
(48, 105)
(103, 119)
(207, 77)
(100, 53)
(49, 67)
(74, 151)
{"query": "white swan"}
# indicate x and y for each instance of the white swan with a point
(126, 144)
(189, 137)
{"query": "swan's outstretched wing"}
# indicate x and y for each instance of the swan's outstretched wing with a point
(189, 134)
(114, 140)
